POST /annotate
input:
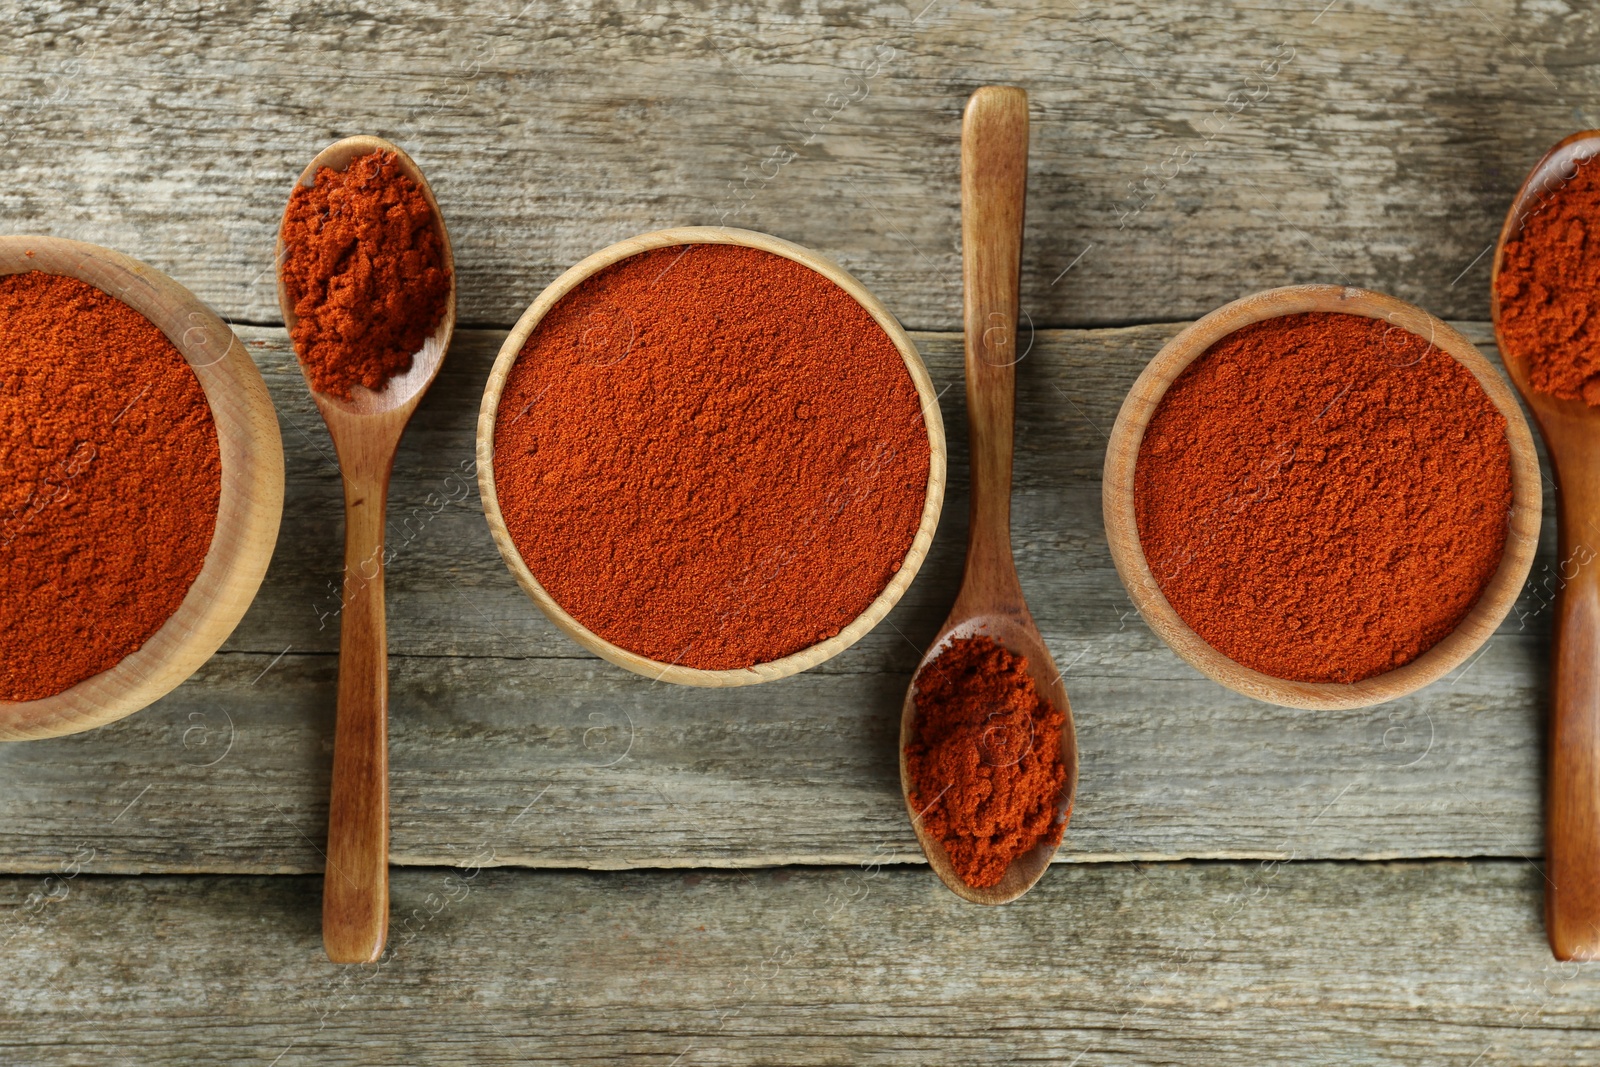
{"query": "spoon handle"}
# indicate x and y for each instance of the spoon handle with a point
(355, 893)
(1572, 890)
(994, 181)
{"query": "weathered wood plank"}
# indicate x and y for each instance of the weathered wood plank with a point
(1419, 963)
(1188, 153)
(492, 708)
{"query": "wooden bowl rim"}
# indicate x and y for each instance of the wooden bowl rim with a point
(1122, 532)
(795, 662)
(249, 508)
(1024, 871)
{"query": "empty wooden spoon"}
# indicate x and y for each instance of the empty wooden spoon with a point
(994, 178)
(366, 432)
(1571, 431)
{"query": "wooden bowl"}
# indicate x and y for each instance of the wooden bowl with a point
(248, 511)
(1123, 532)
(808, 657)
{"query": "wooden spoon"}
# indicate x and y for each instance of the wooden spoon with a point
(366, 432)
(994, 178)
(1571, 431)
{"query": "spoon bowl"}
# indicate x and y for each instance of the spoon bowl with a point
(366, 433)
(994, 178)
(1571, 431)
(1547, 177)
(404, 390)
(1019, 637)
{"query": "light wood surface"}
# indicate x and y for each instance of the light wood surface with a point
(365, 431)
(994, 183)
(248, 509)
(1571, 431)
(1122, 531)
(1425, 964)
(491, 703)
(1169, 174)
(806, 658)
(1380, 153)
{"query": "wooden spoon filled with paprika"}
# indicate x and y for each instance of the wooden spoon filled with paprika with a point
(367, 286)
(1541, 290)
(988, 684)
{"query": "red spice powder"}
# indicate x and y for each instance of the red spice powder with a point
(1549, 289)
(1323, 497)
(365, 270)
(985, 758)
(113, 480)
(711, 456)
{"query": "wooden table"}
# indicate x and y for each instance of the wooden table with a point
(592, 868)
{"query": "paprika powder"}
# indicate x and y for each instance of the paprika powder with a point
(365, 272)
(113, 477)
(1323, 497)
(1548, 288)
(711, 455)
(985, 758)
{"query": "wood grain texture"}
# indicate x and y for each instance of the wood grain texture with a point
(1416, 963)
(356, 899)
(1189, 153)
(1182, 155)
(492, 707)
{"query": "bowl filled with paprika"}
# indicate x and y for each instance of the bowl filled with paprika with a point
(710, 456)
(1322, 497)
(144, 485)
